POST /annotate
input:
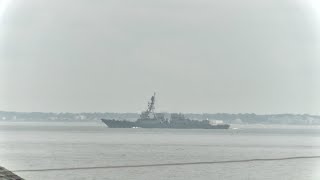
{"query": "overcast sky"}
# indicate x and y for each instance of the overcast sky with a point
(231, 56)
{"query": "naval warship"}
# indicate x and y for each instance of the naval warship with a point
(150, 119)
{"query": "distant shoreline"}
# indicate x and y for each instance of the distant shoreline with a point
(241, 118)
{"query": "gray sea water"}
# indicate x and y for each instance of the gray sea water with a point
(34, 145)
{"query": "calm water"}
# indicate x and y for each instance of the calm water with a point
(33, 145)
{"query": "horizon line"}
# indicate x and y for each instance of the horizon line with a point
(92, 112)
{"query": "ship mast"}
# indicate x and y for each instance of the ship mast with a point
(152, 105)
(151, 108)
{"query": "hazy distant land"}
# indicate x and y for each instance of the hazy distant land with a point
(241, 118)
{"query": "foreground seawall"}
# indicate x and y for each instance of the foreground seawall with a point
(8, 175)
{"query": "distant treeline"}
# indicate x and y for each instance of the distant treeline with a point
(246, 118)
(251, 118)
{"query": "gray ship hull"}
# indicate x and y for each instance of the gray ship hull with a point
(150, 119)
(147, 123)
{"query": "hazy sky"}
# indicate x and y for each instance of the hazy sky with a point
(211, 56)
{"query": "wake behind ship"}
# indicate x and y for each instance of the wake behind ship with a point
(150, 119)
